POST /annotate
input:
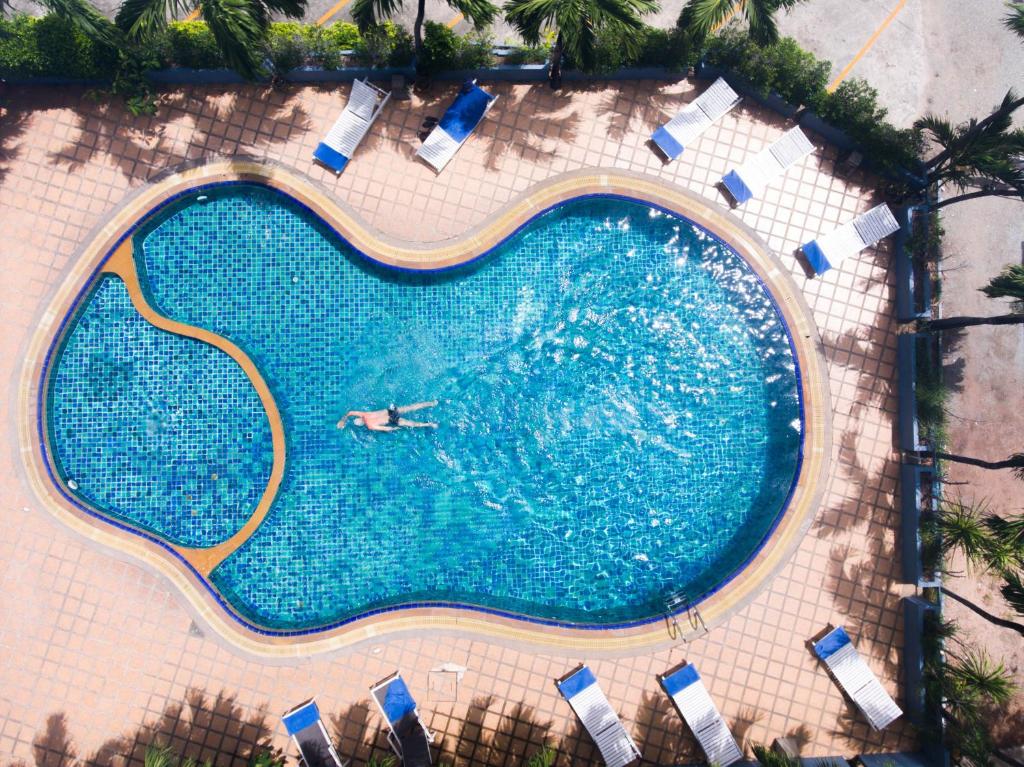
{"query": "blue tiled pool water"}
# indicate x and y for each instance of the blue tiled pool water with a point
(619, 412)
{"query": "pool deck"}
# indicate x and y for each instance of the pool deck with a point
(98, 655)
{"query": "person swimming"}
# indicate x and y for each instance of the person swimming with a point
(388, 419)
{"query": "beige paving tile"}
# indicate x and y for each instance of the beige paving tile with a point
(96, 655)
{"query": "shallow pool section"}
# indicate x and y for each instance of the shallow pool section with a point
(618, 404)
(157, 430)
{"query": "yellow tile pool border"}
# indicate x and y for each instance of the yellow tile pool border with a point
(107, 252)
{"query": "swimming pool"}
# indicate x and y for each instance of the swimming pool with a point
(620, 412)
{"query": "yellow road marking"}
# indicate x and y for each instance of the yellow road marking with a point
(331, 11)
(458, 17)
(193, 16)
(867, 46)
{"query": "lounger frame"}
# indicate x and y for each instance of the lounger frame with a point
(350, 129)
(323, 731)
(696, 117)
(758, 173)
(393, 739)
(691, 700)
(439, 149)
(851, 238)
(856, 679)
(598, 717)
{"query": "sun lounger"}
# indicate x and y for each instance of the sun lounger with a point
(852, 237)
(584, 694)
(696, 117)
(365, 102)
(459, 121)
(695, 706)
(754, 176)
(306, 728)
(409, 737)
(856, 679)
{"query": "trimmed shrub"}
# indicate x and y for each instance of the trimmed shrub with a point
(537, 54)
(618, 48)
(853, 107)
(191, 44)
(443, 49)
(785, 68)
(384, 45)
(287, 46)
(51, 47)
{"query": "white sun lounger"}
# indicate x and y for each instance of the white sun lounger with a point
(365, 103)
(598, 717)
(852, 237)
(695, 706)
(856, 679)
(754, 176)
(306, 728)
(408, 736)
(457, 124)
(696, 117)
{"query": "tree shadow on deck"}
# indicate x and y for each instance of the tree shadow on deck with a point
(223, 122)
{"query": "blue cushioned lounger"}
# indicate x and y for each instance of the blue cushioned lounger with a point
(458, 122)
(584, 694)
(408, 736)
(306, 728)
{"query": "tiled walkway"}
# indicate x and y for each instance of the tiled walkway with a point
(97, 656)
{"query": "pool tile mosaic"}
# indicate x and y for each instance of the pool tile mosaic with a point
(618, 408)
(164, 432)
(98, 658)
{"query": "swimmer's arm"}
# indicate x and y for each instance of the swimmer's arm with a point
(381, 428)
(349, 414)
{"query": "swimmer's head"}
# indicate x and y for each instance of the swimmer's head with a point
(358, 421)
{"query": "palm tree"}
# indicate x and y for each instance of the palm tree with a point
(238, 26)
(980, 155)
(988, 542)
(366, 13)
(1014, 19)
(702, 17)
(1009, 283)
(578, 23)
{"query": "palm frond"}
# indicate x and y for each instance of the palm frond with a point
(366, 13)
(761, 20)
(1014, 18)
(141, 18)
(982, 679)
(480, 12)
(704, 16)
(1013, 591)
(86, 18)
(960, 528)
(293, 9)
(1009, 283)
(239, 27)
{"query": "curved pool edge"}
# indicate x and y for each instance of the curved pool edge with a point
(210, 609)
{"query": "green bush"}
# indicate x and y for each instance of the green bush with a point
(785, 68)
(287, 46)
(19, 53)
(440, 48)
(51, 47)
(618, 48)
(445, 50)
(191, 44)
(384, 45)
(853, 107)
(536, 54)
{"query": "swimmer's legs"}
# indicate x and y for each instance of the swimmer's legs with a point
(417, 406)
(416, 424)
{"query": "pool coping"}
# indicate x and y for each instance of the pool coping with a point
(743, 586)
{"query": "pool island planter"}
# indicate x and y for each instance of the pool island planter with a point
(188, 569)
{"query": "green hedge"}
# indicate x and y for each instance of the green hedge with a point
(444, 50)
(50, 46)
(801, 79)
(649, 47)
